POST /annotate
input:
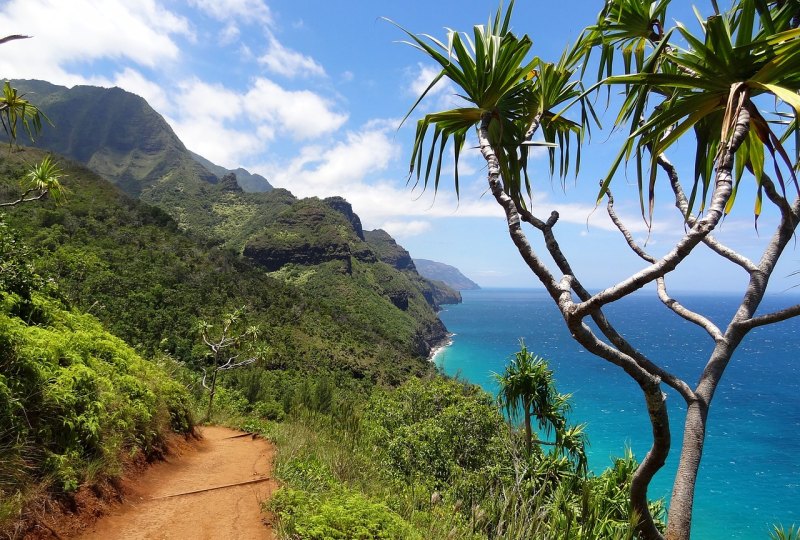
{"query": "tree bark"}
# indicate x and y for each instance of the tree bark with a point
(679, 519)
(528, 429)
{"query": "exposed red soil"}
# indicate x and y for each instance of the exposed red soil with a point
(208, 488)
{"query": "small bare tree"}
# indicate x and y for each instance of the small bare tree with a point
(231, 348)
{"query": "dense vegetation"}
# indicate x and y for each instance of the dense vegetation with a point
(372, 442)
(73, 397)
(433, 458)
(130, 265)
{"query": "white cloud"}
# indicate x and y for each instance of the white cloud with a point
(301, 114)
(133, 81)
(324, 170)
(288, 63)
(441, 96)
(405, 229)
(229, 34)
(229, 127)
(226, 10)
(423, 78)
(141, 32)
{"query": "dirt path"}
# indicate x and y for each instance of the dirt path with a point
(211, 492)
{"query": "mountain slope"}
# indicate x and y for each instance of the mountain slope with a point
(116, 134)
(450, 275)
(250, 182)
(150, 283)
(436, 292)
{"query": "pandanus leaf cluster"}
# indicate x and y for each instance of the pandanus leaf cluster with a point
(677, 81)
(494, 75)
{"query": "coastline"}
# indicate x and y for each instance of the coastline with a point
(437, 350)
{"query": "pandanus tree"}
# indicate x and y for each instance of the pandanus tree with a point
(718, 87)
(527, 389)
(42, 179)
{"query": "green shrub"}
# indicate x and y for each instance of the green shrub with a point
(73, 398)
(344, 514)
(429, 429)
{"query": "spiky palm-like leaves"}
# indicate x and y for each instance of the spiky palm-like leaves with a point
(15, 110)
(492, 71)
(527, 389)
(742, 54)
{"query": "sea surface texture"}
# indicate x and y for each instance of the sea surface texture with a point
(750, 473)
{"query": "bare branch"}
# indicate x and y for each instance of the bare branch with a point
(624, 230)
(512, 216)
(671, 303)
(723, 187)
(776, 198)
(533, 127)
(682, 204)
(229, 365)
(691, 316)
(770, 318)
(598, 316)
(22, 199)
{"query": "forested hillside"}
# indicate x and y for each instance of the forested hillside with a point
(130, 265)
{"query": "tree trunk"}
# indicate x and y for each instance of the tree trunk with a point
(528, 430)
(679, 520)
(679, 524)
(211, 394)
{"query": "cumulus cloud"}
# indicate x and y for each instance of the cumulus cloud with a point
(225, 10)
(301, 114)
(134, 81)
(441, 96)
(406, 229)
(230, 126)
(142, 32)
(288, 63)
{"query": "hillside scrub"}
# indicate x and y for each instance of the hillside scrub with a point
(150, 283)
(433, 458)
(73, 398)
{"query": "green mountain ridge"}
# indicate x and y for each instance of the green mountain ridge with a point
(121, 138)
(445, 273)
(150, 283)
(248, 181)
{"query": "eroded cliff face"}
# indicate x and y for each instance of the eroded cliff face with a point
(311, 232)
(437, 293)
(389, 251)
(346, 209)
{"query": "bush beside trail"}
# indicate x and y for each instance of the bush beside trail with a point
(74, 402)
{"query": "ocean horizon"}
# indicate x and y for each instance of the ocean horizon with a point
(749, 476)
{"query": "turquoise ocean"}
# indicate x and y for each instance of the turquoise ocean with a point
(750, 473)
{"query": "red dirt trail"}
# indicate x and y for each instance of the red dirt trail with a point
(213, 491)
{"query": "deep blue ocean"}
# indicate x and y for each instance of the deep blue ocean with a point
(750, 473)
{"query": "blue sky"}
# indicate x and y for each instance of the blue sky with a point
(310, 94)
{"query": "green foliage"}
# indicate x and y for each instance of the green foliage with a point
(72, 396)
(527, 389)
(515, 93)
(345, 514)
(17, 275)
(150, 284)
(427, 430)
(780, 532)
(15, 110)
(438, 454)
(701, 87)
